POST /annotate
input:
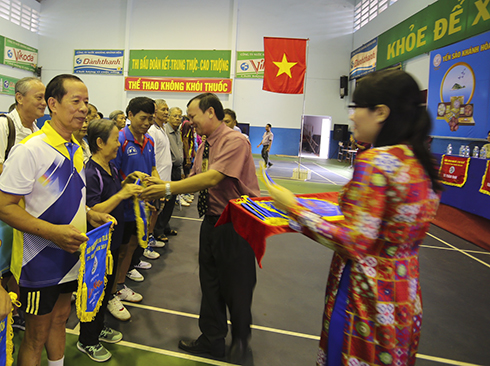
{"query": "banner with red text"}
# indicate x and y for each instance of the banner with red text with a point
(485, 182)
(178, 85)
(454, 170)
(19, 55)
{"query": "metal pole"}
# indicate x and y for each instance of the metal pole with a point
(304, 108)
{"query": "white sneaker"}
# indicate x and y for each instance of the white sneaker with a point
(117, 309)
(187, 198)
(126, 294)
(143, 265)
(135, 276)
(181, 202)
(150, 254)
(152, 242)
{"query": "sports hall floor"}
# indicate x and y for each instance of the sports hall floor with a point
(289, 296)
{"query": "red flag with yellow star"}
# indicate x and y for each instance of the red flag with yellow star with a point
(285, 65)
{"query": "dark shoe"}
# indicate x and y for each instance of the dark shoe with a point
(270, 164)
(171, 232)
(238, 352)
(19, 322)
(195, 347)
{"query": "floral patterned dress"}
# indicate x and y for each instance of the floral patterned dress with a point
(373, 307)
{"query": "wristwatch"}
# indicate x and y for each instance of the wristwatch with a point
(168, 192)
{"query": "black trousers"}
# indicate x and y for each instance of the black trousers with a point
(164, 217)
(227, 275)
(265, 154)
(89, 331)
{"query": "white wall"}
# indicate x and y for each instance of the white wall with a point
(16, 32)
(238, 25)
(395, 14)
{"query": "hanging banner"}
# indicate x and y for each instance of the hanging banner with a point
(454, 170)
(485, 183)
(7, 85)
(17, 54)
(459, 80)
(250, 65)
(438, 25)
(363, 60)
(96, 260)
(98, 62)
(178, 85)
(180, 63)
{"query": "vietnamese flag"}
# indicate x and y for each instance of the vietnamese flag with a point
(285, 65)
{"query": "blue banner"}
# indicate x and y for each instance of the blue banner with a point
(459, 85)
(98, 62)
(363, 60)
(95, 259)
(3, 341)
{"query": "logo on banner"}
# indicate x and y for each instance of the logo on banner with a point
(18, 55)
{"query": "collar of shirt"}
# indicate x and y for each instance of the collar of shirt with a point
(54, 139)
(18, 121)
(214, 136)
(128, 135)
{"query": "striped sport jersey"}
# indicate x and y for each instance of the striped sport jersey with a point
(49, 173)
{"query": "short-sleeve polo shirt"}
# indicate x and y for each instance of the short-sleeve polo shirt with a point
(48, 172)
(131, 157)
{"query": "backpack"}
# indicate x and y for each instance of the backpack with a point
(11, 135)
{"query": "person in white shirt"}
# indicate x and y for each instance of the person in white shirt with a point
(163, 158)
(29, 105)
(266, 144)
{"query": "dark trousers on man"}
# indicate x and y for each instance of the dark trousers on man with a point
(265, 154)
(227, 275)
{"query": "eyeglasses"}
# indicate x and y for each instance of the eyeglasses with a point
(352, 107)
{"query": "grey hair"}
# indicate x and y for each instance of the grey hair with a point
(174, 108)
(23, 85)
(115, 113)
(98, 128)
(159, 102)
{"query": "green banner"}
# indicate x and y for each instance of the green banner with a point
(436, 26)
(7, 85)
(180, 63)
(250, 64)
(18, 55)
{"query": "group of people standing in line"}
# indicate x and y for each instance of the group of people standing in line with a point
(373, 307)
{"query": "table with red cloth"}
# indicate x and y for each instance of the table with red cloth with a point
(254, 230)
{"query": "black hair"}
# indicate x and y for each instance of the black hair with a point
(230, 112)
(140, 104)
(270, 126)
(99, 128)
(408, 121)
(55, 89)
(207, 100)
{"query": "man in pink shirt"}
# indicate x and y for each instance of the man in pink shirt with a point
(224, 169)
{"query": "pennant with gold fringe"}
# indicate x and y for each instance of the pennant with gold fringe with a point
(96, 262)
(141, 214)
(266, 220)
(6, 335)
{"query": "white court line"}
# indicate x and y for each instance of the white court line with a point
(331, 181)
(219, 363)
(459, 250)
(445, 360)
(454, 250)
(189, 315)
(331, 171)
(165, 352)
